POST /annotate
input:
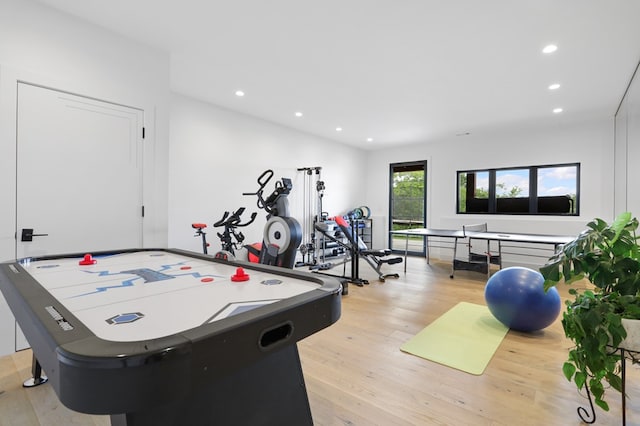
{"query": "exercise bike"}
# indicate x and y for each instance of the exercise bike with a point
(230, 238)
(203, 235)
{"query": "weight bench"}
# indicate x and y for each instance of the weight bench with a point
(375, 258)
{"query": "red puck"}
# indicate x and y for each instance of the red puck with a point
(87, 260)
(240, 275)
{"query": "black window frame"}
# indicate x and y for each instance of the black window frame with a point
(533, 201)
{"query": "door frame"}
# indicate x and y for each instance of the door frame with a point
(392, 166)
(155, 107)
(102, 105)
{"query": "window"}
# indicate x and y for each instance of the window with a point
(512, 191)
(543, 190)
(473, 192)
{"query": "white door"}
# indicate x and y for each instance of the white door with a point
(79, 174)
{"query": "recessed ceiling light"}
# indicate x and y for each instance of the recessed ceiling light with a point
(369, 139)
(338, 129)
(554, 86)
(239, 93)
(557, 110)
(550, 48)
(298, 114)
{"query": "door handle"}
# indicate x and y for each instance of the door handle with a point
(27, 234)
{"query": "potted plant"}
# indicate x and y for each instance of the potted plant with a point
(608, 256)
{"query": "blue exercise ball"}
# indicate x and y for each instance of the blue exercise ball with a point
(516, 297)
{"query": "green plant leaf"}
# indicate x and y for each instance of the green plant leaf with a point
(569, 370)
(619, 223)
(602, 404)
(580, 378)
(615, 381)
(597, 390)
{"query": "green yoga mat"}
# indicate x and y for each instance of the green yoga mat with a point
(465, 338)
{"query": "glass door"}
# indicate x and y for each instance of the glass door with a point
(407, 204)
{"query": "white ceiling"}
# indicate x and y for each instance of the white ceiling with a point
(397, 71)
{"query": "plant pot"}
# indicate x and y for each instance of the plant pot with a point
(632, 341)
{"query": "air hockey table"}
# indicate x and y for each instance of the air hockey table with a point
(170, 337)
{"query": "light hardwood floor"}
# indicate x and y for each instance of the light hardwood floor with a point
(357, 375)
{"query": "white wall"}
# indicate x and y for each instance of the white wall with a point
(216, 155)
(42, 46)
(588, 143)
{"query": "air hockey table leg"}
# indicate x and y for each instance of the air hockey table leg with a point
(37, 377)
(270, 391)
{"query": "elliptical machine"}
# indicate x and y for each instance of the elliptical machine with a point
(282, 234)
